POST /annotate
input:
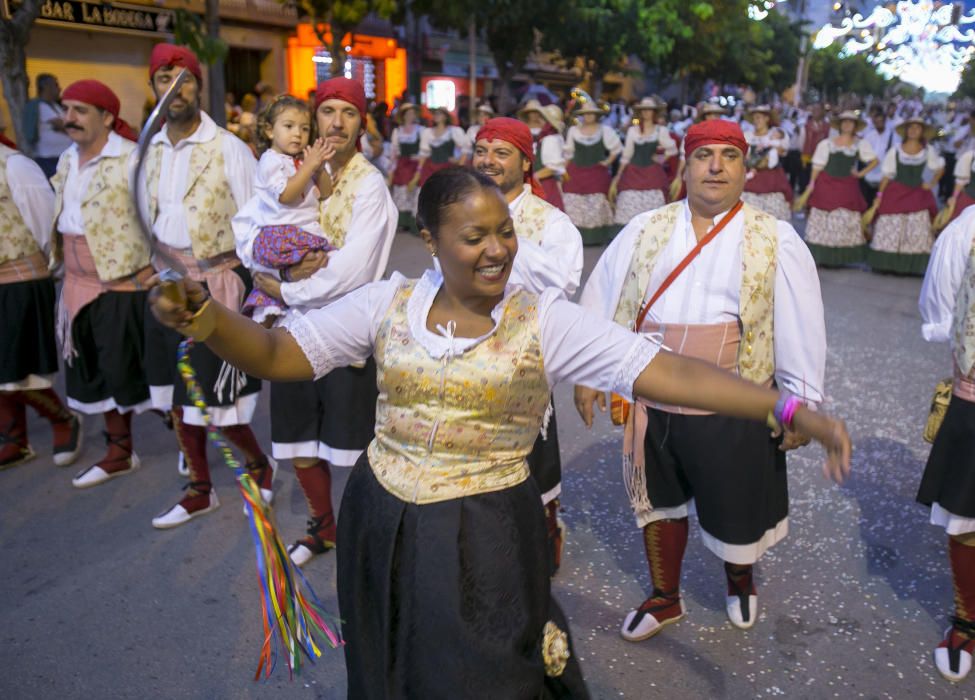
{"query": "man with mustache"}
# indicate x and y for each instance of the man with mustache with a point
(549, 255)
(101, 312)
(196, 176)
(331, 421)
(28, 353)
(728, 284)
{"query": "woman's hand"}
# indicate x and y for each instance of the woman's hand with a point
(584, 400)
(832, 435)
(174, 304)
(309, 265)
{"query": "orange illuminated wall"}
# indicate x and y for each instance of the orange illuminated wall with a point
(301, 68)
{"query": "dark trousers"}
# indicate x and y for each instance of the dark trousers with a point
(947, 183)
(792, 163)
(48, 165)
(869, 191)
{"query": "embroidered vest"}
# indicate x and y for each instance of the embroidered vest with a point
(910, 175)
(531, 217)
(461, 425)
(16, 240)
(336, 211)
(963, 335)
(112, 230)
(208, 201)
(756, 354)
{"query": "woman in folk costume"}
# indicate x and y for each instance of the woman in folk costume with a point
(442, 577)
(483, 112)
(834, 232)
(963, 195)
(767, 186)
(947, 307)
(406, 162)
(641, 183)
(590, 149)
(546, 125)
(440, 146)
(905, 204)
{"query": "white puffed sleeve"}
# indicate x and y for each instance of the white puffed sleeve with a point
(963, 168)
(611, 141)
(867, 154)
(821, 154)
(935, 161)
(943, 278)
(889, 167)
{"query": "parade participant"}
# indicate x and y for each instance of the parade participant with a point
(443, 494)
(483, 112)
(440, 145)
(28, 353)
(641, 183)
(814, 130)
(750, 303)
(102, 307)
(591, 149)
(766, 185)
(546, 125)
(330, 421)
(705, 113)
(549, 255)
(905, 206)
(834, 232)
(947, 307)
(882, 136)
(405, 153)
(963, 194)
(291, 180)
(44, 124)
(196, 177)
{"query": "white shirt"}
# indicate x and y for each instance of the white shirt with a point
(931, 158)
(264, 209)
(50, 143)
(429, 139)
(32, 195)
(556, 261)
(578, 347)
(172, 225)
(360, 260)
(944, 276)
(708, 290)
(635, 135)
(611, 142)
(550, 153)
(881, 142)
(861, 148)
(70, 221)
(963, 168)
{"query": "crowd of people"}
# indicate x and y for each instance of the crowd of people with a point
(701, 330)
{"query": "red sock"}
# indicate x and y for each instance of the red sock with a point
(243, 438)
(962, 558)
(47, 404)
(13, 426)
(118, 435)
(665, 542)
(316, 483)
(193, 444)
(739, 578)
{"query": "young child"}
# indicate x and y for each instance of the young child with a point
(291, 179)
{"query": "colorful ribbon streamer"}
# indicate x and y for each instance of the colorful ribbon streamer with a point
(292, 619)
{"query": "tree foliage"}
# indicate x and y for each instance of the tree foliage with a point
(966, 88)
(833, 74)
(332, 20)
(14, 33)
(189, 30)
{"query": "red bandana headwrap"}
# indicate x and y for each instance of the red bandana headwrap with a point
(347, 90)
(172, 55)
(7, 142)
(518, 134)
(97, 94)
(714, 131)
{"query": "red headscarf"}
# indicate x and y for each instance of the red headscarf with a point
(171, 55)
(97, 94)
(347, 90)
(517, 133)
(714, 131)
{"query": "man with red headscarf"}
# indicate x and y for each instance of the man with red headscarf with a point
(726, 283)
(28, 352)
(101, 311)
(331, 421)
(196, 176)
(549, 255)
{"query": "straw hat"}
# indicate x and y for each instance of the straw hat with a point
(450, 117)
(403, 109)
(848, 115)
(486, 108)
(760, 109)
(530, 106)
(553, 115)
(711, 108)
(930, 131)
(590, 108)
(649, 103)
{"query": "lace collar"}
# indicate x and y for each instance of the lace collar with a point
(443, 343)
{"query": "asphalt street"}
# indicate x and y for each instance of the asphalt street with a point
(95, 603)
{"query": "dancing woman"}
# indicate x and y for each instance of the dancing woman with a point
(442, 565)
